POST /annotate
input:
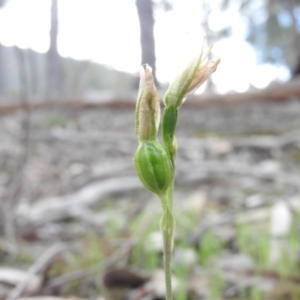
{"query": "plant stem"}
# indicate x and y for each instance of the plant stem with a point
(167, 266)
(170, 194)
(167, 226)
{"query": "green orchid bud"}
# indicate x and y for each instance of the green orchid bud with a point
(147, 112)
(190, 79)
(153, 166)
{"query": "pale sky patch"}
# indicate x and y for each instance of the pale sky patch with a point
(26, 24)
(107, 32)
(237, 65)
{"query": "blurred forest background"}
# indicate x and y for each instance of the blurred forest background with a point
(74, 219)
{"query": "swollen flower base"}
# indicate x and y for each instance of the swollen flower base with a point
(153, 166)
(154, 162)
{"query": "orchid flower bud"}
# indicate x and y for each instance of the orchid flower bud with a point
(190, 79)
(147, 108)
(153, 166)
(202, 74)
(151, 160)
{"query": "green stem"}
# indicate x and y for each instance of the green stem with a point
(169, 121)
(167, 226)
(170, 194)
(167, 266)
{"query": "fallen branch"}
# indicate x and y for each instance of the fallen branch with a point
(205, 170)
(37, 267)
(58, 208)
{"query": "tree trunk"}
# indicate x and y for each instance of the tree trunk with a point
(2, 61)
(296, 71)
(54, 62)
(145, 13)
(206, 8)
(2, 72)
(295, 56)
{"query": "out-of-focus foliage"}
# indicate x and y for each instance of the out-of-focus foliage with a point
(2, 3)
(80, 76)
(166, 5)
(273, 27)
